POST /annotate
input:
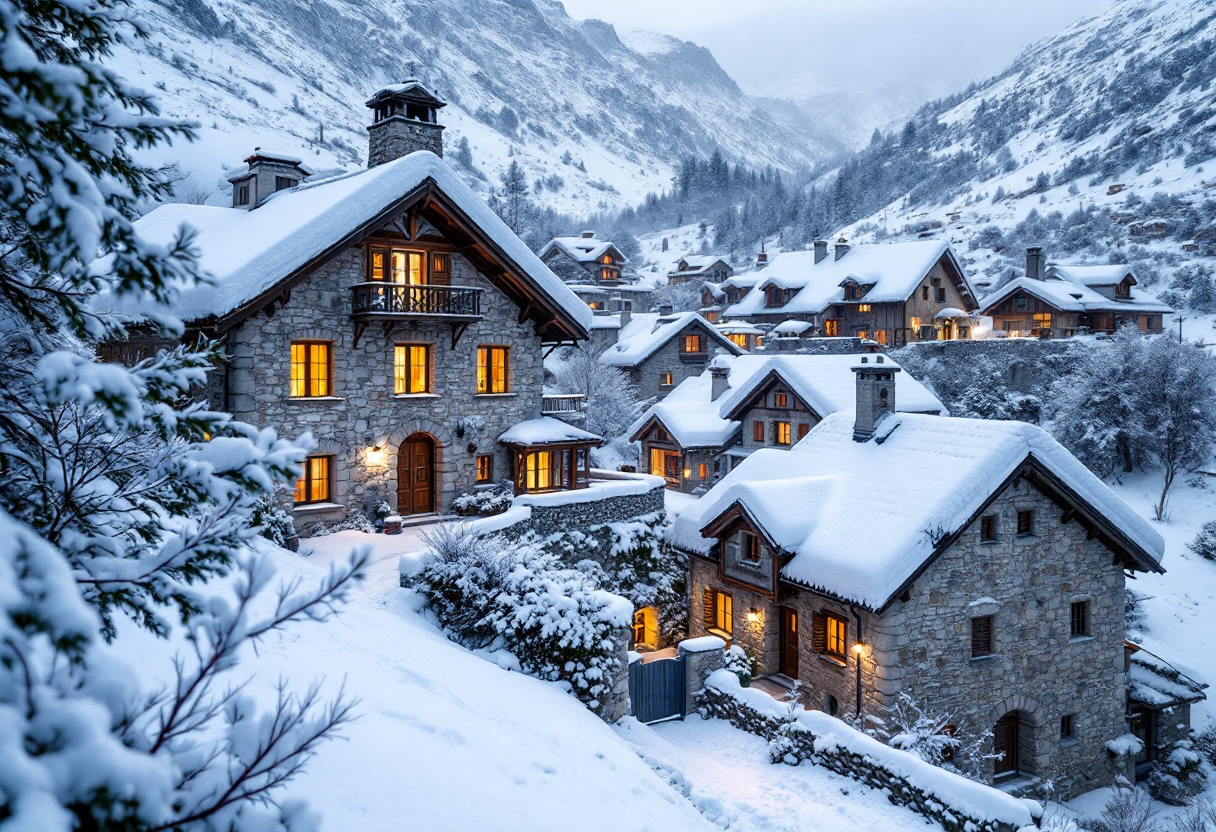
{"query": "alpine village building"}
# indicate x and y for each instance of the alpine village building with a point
(1061, 300)
(891, 293)
(991, 587)
(714, 421)
(390, 313)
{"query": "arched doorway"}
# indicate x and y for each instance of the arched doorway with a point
(416, 475)
(1006, 738)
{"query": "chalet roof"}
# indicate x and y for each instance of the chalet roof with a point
(1155, 683)
(583, 249)
(851, 529)
(891, 270)
(697, 264)
(647, 332)
(1070, 296)
(247, 253)
(546, 431)
(825, 383)
(262, 155)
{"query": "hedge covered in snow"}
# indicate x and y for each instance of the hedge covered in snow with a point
(796, 734)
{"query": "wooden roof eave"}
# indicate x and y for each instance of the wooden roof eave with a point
(762, 388)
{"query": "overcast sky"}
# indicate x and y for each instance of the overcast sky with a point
(936, 45)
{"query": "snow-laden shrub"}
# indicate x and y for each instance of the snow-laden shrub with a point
(273, 522)
(489, 593)
(937, 737)
(1204, 543)
(482, 503)
(739, 663)
(1129, 809)
(1179, 775)
(353, 521)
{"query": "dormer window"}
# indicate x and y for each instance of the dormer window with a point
(282, 183)
(744, 547)
(773, 296)
(242, 195)
(1124, 290)
(852, 291)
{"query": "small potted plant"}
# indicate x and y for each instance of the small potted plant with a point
(392, 524)
(380, 512)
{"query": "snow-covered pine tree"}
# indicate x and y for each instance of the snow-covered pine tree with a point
(114, 495)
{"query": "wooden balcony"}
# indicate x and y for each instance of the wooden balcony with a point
(566, 404)
(391, 303)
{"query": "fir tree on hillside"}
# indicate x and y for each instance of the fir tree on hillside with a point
(121, 496)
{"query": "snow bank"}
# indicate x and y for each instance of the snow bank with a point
(824, 740)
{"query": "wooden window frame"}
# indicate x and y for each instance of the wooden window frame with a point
(989, 529)
(1025, 525)
(748, 547)
(781, 401)
(306, 384)
(306, 485)
(758, 434)
(831, 328)
(924, 292)
(242, 195)
(702, 471)
(402, 375)
(724, 613)
(939, 294)
(982, 643)
(485, 469)
(487, 384)
(693, 338)
(283, 183)
(1078, 619)
(803, 430)
(836, 637)
(783, 433)
(665, 379)
(865, 307)
(661, 435)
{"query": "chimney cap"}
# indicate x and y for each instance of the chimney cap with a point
(411, 89)
(587, 234)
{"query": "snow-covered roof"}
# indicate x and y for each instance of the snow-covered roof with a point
(825, 382)
(247, 253)
(791, 328)
(647, 332)
(743, 280)
(545, 431)
(1099, 275)
(1155, 683)
(854, 531)
(696, 264)
(410, 85)
(1068, 296)
(893, 271)
(738, 328)
(583, 249)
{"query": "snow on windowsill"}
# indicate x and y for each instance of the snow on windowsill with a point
(1080, 639)
(985, 658)
(310, 508)
(313, 399)
(417, 396)
(495, 395)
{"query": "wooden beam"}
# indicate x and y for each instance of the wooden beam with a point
(523, 313)
(1068, 515)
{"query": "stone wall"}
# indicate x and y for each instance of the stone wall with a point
(667, 359)
(547, 519)
(364, 412)
(1020, 356)
(812, 346)
(397, 136)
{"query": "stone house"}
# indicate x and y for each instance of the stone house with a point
(891, 293)
(713, 421)
(715, 297)
(658, 350)
(1060, 300)
(584, 260)
(973, 565)
(700, 267)
(390, 313)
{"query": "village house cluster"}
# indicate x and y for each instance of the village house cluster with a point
(849, 534)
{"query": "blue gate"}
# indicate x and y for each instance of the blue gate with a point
(656, 689)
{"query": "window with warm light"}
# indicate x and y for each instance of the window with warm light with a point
(1042, 320)
(864, 307)
(782, 431)
(863, 334)
(836, 636)
(831, 328)
(664, 379)
(313, 484)
(311, 369)
(492, 367)
(724, 613)
(411, 369)
(738, 339)
(781, 400)
(485, 468)
(539, 473)
(881, 336)
(702, 471)
(693, 343)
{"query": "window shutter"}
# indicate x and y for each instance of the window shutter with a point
(819, 633)
(707, 607)
(441, 273)
(981, 636)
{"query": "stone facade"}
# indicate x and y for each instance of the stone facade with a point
(563, 516)
(921, 646)
(363, 413)
(648, 374)
(396, 136)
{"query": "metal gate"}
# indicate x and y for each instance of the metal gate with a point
(656, 689)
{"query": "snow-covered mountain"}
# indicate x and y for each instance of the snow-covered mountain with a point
(596, 119)
(1111, 123)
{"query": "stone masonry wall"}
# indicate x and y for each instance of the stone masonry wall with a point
(395, 137)
(364, 412)
(1027, 584)
(547, 520)
(667, 359)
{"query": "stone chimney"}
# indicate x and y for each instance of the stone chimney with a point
(588, 235)
(842, 248)
(404, 121)
(875, 395)
(1035, 262)
(761, 260)
(821, 251)
(665, 310)
(626, 317)
(719, 376)
(265, 174)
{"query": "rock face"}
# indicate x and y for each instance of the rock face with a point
(1038, 671)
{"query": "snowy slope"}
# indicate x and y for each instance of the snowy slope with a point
(1123, 98)
(525, 83)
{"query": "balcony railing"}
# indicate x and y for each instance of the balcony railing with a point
(384, 299)
(564, 403)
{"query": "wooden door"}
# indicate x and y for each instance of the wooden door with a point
(415, 476)
(789, 642)
(1005, 741)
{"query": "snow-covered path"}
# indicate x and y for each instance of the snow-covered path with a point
(726, 774)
